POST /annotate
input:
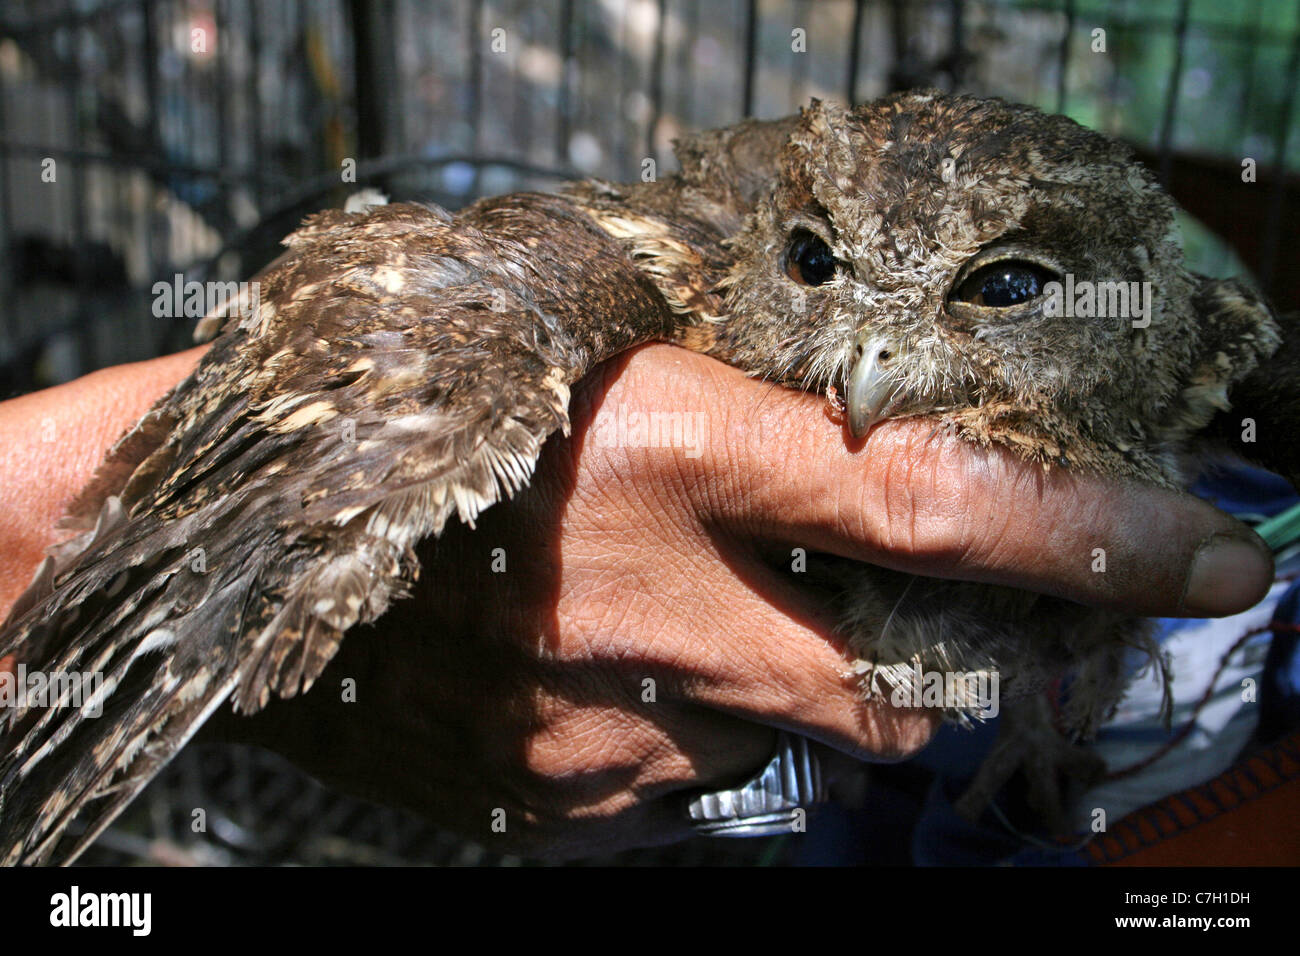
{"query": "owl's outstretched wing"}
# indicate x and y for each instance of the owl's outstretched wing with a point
(399, 367)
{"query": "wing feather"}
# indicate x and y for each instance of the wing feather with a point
(401, 368)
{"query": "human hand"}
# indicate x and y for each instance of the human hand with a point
(519, 697)
(525, 691)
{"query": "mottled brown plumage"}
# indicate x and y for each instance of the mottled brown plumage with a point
(405, 367)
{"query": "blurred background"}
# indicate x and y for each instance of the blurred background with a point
(145, 139)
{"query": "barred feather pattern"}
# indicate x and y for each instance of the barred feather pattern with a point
(402, 369)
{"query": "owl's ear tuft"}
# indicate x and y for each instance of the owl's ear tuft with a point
(824, 140)
(1241, 332)
(828, 122)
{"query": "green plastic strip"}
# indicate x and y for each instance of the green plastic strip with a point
(1281, 531)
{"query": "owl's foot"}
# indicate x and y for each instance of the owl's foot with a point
(1055, 770)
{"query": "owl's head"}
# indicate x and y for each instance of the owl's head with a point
(1009, 269)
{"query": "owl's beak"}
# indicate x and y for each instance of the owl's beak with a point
(872, 389)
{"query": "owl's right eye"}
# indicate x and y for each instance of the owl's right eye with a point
(808, 260)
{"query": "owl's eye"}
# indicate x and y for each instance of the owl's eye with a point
(1003, 284)
(809, 261)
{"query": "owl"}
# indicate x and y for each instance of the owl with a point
(1008, 275)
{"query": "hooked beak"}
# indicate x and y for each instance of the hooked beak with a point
(872, 386)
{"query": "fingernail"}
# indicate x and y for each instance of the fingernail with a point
(1229, 574)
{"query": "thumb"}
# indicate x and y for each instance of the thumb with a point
(921, 500)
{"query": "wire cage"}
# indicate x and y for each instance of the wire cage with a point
(144, 140)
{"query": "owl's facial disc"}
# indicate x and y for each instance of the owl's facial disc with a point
(874, 390)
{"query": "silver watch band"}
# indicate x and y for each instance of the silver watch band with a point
(770, 802)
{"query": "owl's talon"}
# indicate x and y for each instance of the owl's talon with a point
(1056, 770)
